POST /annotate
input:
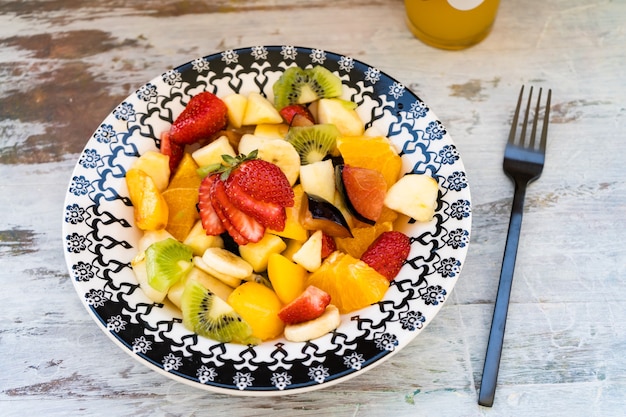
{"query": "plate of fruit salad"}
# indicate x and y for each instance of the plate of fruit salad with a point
(267, 220)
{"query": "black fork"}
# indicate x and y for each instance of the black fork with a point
(523, 162)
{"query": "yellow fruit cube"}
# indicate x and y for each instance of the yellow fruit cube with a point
(157, 166)
(257, 254)
(199, 241)
(287, 277)
(150, 208)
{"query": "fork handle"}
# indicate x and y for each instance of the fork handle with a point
(498, 323)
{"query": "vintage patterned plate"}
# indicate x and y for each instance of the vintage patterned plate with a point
(100, 239)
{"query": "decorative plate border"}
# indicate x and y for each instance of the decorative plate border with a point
(99, 237)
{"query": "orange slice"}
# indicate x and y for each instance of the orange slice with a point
(182, 211)
(374, 152)
(186, 175)
(351, 283)
(362, 238)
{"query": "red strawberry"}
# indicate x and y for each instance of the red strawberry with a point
(388, 253)
(210, 220)
(263, 181)
(328, 245)
(173, 150)
(268, 214)
(238, 224)
(297, 115)
(204, 115)
(307, 306)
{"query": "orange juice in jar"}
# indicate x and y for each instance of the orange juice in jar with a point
(451, 24)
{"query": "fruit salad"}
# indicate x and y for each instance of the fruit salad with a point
(264, 219)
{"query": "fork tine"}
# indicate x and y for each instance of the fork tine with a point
(534, 131)
(546, 120)
(515, 117)
(523, 134)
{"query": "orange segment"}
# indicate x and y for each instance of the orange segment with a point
(362, 238)
(351, 283)
(186, 175)
(182, 211)
(371, 152)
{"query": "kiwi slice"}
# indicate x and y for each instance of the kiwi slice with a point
(313, 143)
(208, 315)
(301, 86)
(167, 261)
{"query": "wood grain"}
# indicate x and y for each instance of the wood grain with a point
(65, 64)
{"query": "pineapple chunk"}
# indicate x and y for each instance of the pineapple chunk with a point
(212, 153)
(157, 166)
(257, 254)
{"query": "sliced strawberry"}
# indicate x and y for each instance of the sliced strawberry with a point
(237, 221)
(204, 115)
(307, 306)
(297, 115)
(263, 181)
(210, 220)
(173, 150)
(328, 245)
(268, 214)
(388, 253)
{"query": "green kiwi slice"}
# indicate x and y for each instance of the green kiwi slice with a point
(302, 86)
(313, 143)
(208, 315)
(167, 261)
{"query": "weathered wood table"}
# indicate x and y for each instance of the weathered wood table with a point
(64, 65)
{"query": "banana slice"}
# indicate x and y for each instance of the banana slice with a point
(313, 329)
(224, 265)
(284, 155)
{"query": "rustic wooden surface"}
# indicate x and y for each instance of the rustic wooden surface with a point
(65, 64)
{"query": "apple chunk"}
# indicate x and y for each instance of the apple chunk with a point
(414, 195)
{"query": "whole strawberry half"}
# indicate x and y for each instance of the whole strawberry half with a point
(263, 181)
(307, 306)
(388, 253)
(204, 115)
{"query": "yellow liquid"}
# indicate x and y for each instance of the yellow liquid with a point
(437, 23)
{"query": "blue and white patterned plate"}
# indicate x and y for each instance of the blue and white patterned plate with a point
(100, 238)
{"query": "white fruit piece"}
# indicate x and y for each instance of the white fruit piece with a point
(310, 253)
(212, 153)
(199, 241)
(157, 166)
(284, 155)
(224, 264)
(250, 142)
(260, 110)
(257, 254)
(312, 329)
(318, 179)
(414, 195)
(138, 265)
(217, 287)
(342, 114)
(152, 236)
(236, 105)
(271, 131)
